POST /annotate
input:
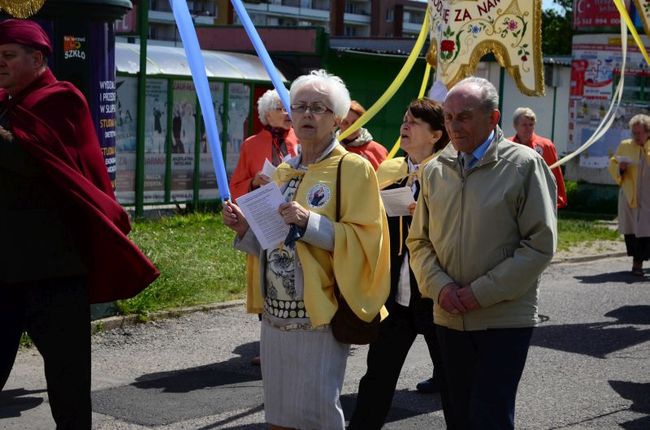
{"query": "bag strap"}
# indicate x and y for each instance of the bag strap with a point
(337, 292)
(338, 187)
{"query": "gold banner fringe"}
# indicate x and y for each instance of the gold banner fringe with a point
(21, 8)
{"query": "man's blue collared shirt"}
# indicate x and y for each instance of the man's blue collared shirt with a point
(479, 152)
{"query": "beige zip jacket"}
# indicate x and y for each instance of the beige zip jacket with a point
(493, 227)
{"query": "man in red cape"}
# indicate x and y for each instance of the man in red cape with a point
(64, 242)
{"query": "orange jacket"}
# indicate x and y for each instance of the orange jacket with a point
(252, 154)
(371, 151)
(546, 149)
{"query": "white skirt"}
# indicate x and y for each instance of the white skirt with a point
(302, 372)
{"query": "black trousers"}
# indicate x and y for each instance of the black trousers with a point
(385, 359)
(637, 247)
(483, 369)
(56, 315)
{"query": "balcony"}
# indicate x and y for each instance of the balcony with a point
(286, 11)
(162, 17)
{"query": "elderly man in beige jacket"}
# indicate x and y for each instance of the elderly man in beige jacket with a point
(483, 231)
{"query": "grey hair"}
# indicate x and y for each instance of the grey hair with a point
(640, 119)
(331, 86)
(269, 101)
(489, 96)
(526, 112)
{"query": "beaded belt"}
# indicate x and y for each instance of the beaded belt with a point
(306, 326)
(285, 308)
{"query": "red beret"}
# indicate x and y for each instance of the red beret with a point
(25, 32)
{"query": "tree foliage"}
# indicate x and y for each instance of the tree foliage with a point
(557, 29)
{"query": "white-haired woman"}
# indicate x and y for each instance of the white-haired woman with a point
(273, 143)
(630, 168)
(302, 363)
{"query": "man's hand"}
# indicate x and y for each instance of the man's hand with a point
(6, 135)
(467, 298)
(448, 299)
(623, 165)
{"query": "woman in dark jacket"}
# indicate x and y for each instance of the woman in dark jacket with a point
(423, 135)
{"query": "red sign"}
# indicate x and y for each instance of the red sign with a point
(578, 68)
(129, 22)
(596, 13)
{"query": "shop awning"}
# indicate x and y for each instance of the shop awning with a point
(168, 60)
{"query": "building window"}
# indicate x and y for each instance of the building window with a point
(390, 14)
(350, 31)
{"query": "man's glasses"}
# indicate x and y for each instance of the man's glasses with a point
(315, 108)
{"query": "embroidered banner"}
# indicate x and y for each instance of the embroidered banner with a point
(21, 8)
(462, 31)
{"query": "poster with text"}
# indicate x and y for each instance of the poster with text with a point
(238, 112)
(125, 138)
(183, 140)
(595, 72)
(155, 135)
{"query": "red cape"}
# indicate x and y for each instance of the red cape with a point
(50, 119)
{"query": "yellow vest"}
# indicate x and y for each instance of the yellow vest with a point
(628, 181)
(359, 263)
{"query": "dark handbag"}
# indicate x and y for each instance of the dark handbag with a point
(347, 327)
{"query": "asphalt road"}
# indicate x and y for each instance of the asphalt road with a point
(588, 366)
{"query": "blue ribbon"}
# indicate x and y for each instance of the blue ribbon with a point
(197, 66)
(262, 53)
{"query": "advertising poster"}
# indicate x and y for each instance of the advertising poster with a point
(183, 140)
(595, 72)
(238, 112)
(155, 134)
(596, 13)
(208, 189)
(125, 138)
(103, 87)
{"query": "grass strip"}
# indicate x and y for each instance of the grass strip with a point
(196, 260)
(198, 264)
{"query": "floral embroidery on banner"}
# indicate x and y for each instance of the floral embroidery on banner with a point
(465, 30)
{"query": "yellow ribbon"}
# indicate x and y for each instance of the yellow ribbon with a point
(423, 88)
(284, 173)
(399, 80)
(630, 25)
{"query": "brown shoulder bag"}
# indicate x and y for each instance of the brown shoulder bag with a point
(347, 327)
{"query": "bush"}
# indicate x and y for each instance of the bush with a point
(595, 199)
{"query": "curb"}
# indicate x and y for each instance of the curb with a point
(122, 321)
(588, 258)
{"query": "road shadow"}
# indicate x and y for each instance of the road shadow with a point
(601, 338)
(14, 402)
(236, 369)
(639, 394)
(166, 397)
(624, 277)
(419, 405)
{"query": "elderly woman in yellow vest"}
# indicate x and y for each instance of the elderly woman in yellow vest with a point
(630, 168)
(303, 365)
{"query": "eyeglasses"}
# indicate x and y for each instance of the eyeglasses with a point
(315, 108)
